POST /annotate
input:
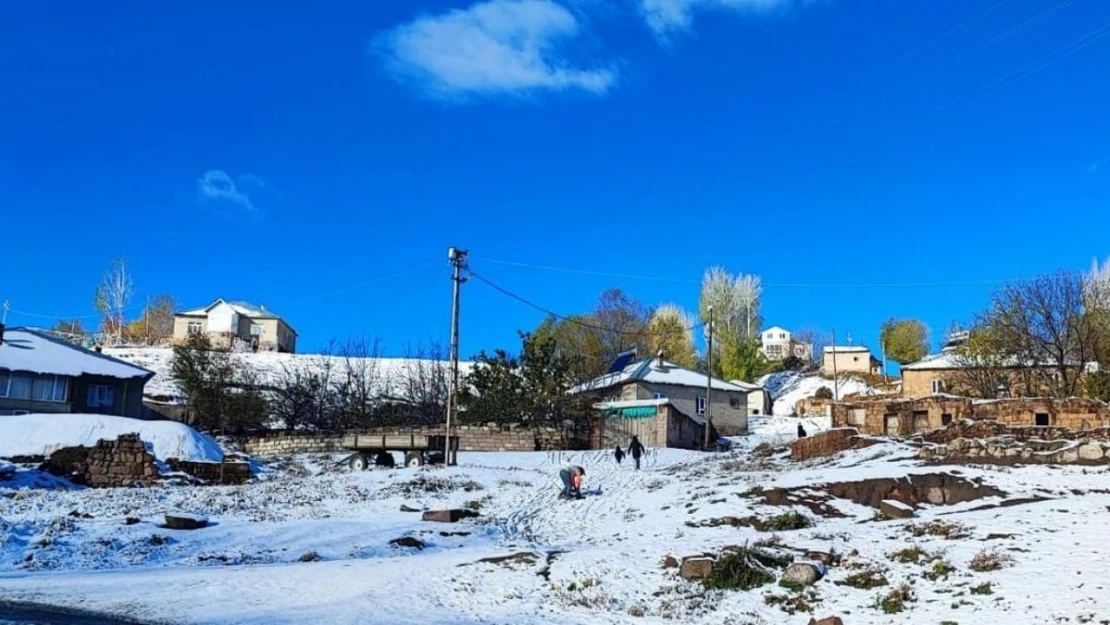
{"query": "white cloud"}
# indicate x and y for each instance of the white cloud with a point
(667, 17)
(229, 197)
(498, 47)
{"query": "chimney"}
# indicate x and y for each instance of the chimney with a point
(659, 360)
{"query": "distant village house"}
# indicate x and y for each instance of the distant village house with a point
(40, 372)
(850, 359)
(778, 344)
(237, 323)
(675, 396)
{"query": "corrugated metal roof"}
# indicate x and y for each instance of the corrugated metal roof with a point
(25, 349)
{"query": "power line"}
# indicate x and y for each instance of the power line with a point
(798, 285)
(571, 319)
(138, 306)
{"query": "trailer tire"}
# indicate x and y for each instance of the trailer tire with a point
(359, 462)
(414, 459)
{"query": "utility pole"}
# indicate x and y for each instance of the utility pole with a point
(882, 349)
(836, 380)
(4, 319)
(708, 380)
(457, 258)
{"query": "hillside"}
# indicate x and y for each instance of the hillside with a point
(788, 387)
(271, 366)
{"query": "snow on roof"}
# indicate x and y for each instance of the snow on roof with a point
(631, 403)
(649, 370)
(746, 386)
(24, 349)
(243, 308)
(951, 359)
(776, 329)
(840, 349)
(41, 434)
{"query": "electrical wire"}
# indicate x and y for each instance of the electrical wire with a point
(796, 285)
(140, 306)
(571, 319)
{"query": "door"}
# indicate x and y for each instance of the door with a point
(891, 424)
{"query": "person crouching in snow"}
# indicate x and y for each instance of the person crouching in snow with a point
(572, 482)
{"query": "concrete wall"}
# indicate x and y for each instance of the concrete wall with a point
(279, 333)
(847, 362)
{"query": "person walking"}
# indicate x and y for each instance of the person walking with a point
(618, 454)
(636, 450)
(572, 482)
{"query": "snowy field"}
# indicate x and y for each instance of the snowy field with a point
(310, 542)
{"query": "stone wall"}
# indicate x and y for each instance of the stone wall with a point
(828, 443)
(471, 438)
(812, 407)
(223, 473)
(122, 462)
(1075, 413)
(1010, 450)
(900, 417)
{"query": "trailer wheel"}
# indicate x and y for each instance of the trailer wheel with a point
(385, 459)
(359, 462)
(414, 459)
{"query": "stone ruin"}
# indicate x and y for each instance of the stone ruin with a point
(126, 461)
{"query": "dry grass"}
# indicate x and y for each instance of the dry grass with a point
(989, 560)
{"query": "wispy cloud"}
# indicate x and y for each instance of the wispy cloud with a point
(668, 17)
(1095, 166)
(493, 48)
(230, 197)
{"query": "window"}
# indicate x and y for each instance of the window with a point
(733, 402)
(1040, 419)
(700, 405)
(19, 385)
(49, 388)
(774, 351)
(194, 327)
(946, 419)
(101, 396)
(782, 336)
(938, 386)
(659, 396)
(256, 330)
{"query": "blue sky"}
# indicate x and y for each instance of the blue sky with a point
(295, 157)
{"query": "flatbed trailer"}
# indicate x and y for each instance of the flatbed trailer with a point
(376, 449)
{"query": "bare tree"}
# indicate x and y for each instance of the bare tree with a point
(359, 382)
(1044, 325)
(817, 340)
(114, 293)
(425, 384)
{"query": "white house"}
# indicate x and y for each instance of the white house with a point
(777, 343)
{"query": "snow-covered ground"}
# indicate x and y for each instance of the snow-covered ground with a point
(41, 434)
(270, 366)
(788, 387)
(311, 543)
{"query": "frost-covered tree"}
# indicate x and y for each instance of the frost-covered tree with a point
(671, 331)
(736, 321)
(113, 295)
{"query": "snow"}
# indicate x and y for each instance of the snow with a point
(28, 350)
(898, 505)
(271, 366)
(647, 370)
(41, 434)
(789, 387)
(314, 547)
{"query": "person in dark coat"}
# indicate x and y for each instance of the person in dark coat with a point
(619, 454)
(637, 450)
(801, 431)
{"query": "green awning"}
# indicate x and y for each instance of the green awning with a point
(637, 412)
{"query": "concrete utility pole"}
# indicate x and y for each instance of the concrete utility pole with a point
(4, 319)
(836, 380)
(882, 349)
(457, 258)
(708, 380)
